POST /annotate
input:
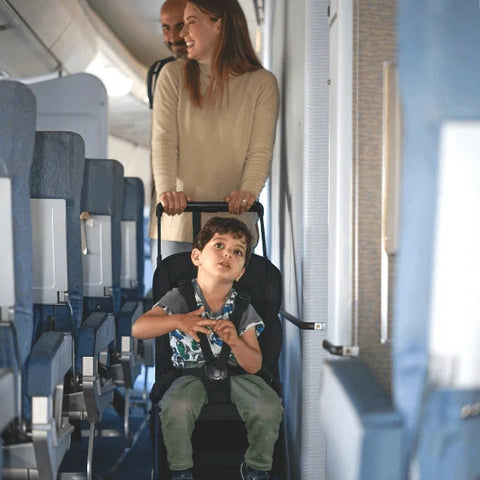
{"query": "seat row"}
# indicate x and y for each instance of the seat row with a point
(71, 251)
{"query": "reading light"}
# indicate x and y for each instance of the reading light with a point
(115, 81)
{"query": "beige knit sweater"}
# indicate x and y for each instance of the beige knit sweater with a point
(209, 152)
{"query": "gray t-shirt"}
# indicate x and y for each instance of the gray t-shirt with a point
(186, 350)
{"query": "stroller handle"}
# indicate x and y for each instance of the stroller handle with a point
(213, 207)
(196, 208)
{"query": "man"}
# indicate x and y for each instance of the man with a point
(171, 18)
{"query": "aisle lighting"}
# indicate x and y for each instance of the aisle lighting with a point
(115, 81)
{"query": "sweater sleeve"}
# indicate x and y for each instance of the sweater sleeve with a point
(165, 129)
(262, 138)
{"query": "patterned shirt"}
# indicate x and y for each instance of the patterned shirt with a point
(187, 352)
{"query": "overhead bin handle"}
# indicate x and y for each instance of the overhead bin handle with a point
(343, 350)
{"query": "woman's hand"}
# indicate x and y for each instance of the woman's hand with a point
(239, 201)
(174, 203)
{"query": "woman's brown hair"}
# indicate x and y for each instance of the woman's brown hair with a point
(233, 54)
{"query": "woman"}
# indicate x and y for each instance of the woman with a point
(213, 121)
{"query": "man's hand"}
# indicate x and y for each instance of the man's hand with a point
(174, 203)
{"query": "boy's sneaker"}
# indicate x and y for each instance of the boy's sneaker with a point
(182, 475)
(249, 473)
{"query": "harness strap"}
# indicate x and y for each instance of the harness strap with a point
(241, 304)
(206, 349)
(216, 373)
(198, 372)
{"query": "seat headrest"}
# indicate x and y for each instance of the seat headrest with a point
(58, 166)
(133, 199)
(103, 187)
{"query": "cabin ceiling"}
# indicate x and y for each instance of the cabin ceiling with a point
(136, 24)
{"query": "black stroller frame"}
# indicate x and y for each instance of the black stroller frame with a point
(263, 282)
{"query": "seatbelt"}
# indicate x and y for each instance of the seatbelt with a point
(216, 373)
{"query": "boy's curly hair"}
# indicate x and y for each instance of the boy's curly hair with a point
(221, 225)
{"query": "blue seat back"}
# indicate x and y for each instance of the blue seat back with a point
(57, 173)
(102, 194)
(363, 430)
(133, 204)
(17, 136)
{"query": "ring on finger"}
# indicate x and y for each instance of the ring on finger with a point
(244, 201)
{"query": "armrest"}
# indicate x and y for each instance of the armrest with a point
(363, 430)
(95, 334)
(368, 397)
(127, 317)
(49, 361)
(7, 397)
(94, 337)
(131, 359)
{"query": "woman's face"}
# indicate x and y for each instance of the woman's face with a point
(200, 33)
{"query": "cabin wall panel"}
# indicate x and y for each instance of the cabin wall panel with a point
(374, 44)
(296, 47)
(315, 269)
(284, 56)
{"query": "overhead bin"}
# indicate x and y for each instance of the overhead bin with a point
(44, 37)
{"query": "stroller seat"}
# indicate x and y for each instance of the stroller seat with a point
(219, 439)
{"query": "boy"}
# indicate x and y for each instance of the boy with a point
(220, 252)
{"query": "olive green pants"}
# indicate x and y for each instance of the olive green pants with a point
(257, 403)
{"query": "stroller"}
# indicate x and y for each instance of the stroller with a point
(219, 439)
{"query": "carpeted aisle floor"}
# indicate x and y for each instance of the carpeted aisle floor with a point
(113, 457)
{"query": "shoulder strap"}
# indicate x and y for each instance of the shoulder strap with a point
(241, 304)
(188, 293)
(152, 76)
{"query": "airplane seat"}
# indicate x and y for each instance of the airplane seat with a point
(132, 283)
(364, 432)
(132, 239)
(102, 211)
(17, 136)
(102, 203)
(56, 186)
(55, 183)
(35, 442)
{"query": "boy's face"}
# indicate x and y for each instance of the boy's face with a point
(223, 257)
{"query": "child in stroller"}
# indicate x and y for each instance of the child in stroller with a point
(221, 252)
